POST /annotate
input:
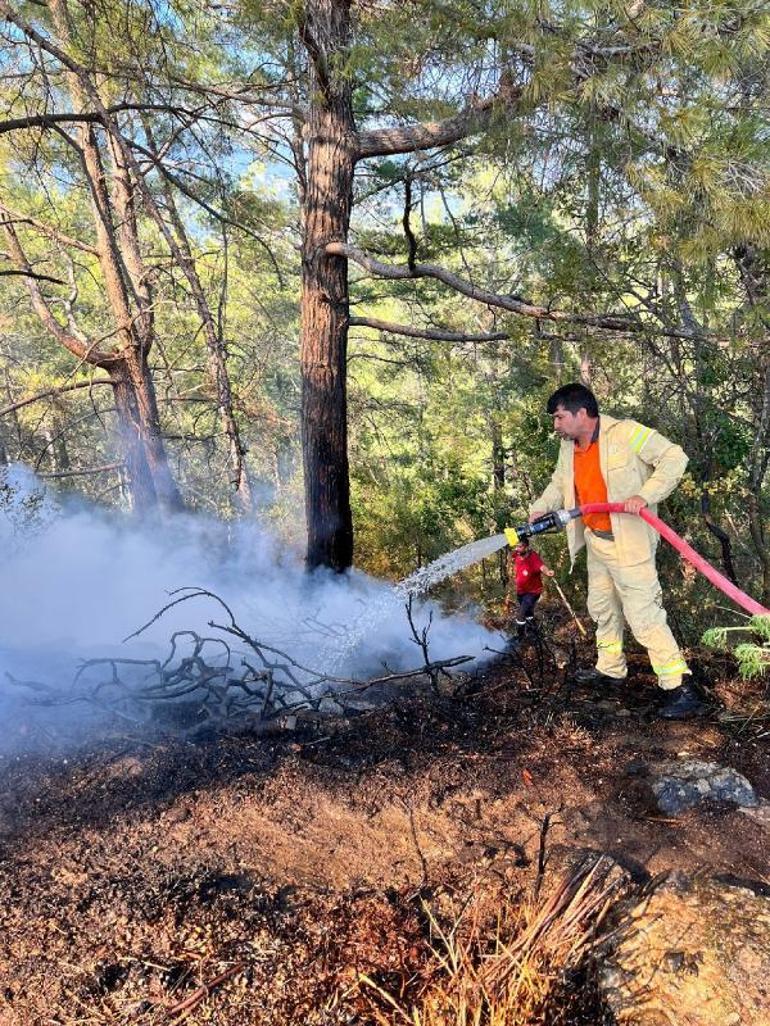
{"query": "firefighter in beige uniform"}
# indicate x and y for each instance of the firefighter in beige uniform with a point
(601, 460)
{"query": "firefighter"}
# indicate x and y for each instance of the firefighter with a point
(602, 459)
(527, 571)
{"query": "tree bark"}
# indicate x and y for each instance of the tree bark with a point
(149, 426)
(408, 138)
(141, 485)
(755, 275)
(758, 463)
(141, 334)
(126, 285)
(332, 143)
(498, 487)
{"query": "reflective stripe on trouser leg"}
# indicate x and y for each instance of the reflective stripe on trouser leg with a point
(642, 603)
(605, 609)
(670, 674)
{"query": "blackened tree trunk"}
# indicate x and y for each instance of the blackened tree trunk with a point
(331, 157)
(141, 485)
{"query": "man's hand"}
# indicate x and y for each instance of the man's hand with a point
(549, 573)
(533, 517)
(634, 504)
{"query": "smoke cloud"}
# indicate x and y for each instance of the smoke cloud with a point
(77, 581)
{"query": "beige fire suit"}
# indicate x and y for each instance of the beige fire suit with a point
(622, 579)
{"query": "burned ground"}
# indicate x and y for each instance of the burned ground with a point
(242, 879)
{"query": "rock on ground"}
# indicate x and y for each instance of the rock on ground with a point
(694, 954)
(683, 785)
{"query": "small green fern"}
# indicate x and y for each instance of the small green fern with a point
(716, 637)
(753, 656)
(753, 660)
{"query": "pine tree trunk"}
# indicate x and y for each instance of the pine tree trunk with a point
(148, 421)
(498, 452)
(498, 485)
(325, 310)
(129, 295)
(58, 456)
(139, 478)
(216, 355)
(141, 336)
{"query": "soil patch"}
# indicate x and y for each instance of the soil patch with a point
(251, 879)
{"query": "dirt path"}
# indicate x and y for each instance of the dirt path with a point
(242, 879)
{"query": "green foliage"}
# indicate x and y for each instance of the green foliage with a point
(24, 509)
(753, 660)
(753, 656)
(625, 176)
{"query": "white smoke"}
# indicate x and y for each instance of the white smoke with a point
(77, 581)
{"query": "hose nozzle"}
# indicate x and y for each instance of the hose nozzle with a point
(554, 521)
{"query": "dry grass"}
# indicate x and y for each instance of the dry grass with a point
(507, 972)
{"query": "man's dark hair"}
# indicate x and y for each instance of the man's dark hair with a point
(574, 397)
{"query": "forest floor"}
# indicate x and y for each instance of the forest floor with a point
(243, 879)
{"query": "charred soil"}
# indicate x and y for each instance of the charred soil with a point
(243, 879)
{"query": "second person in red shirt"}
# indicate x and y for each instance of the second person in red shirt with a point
(528, 569)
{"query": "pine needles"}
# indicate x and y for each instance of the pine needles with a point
(511, 972)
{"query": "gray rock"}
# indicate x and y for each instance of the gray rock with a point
(683, 785)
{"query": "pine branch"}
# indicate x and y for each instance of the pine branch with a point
(613, 322)
(51, 392)
(85, 472)
(212, 211)
(428, 135)
(29, 273)
(606, 321)
(49, 230)
(75, 343)
(84, 117)
(430, 334)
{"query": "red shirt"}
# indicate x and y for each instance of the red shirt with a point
(529, 580)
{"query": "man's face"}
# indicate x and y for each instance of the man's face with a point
(521, 550)
(569, 425)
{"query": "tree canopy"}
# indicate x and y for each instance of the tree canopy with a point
(336, 254)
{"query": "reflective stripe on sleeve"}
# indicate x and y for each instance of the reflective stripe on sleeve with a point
(639, 437)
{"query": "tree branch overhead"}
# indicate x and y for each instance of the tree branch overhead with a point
(430, 134)
(613, 322)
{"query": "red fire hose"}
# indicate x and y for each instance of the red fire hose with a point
(688, 552)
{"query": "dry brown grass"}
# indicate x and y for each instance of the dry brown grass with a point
(507, 972)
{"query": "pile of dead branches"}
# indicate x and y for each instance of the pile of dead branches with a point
(203, 680)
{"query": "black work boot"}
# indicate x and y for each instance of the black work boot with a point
(594, 676)
(681, 703)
